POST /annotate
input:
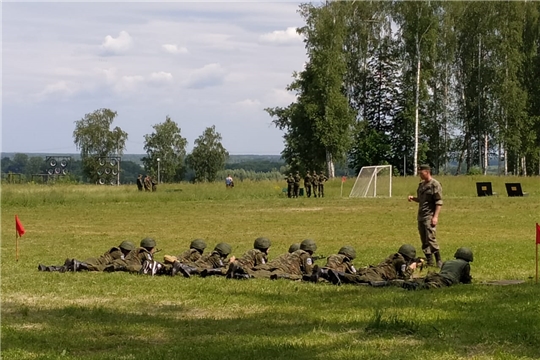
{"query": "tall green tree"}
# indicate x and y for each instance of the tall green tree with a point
(208, 156)
(166, 144)
(94, 138)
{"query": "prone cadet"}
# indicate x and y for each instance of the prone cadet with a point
(398, 266)
(93, 264)
(340, 262)
(452, 272)
(252, 258)
(214, 263)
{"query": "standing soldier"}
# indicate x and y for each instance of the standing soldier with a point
(140, 185)
(296, 184)
(307, 184)
(290, 183)
(429, 199)
(315, 183)
(322, 180)
(147, 183)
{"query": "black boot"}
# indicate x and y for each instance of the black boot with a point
(77, 265)
(429, 258)
(242, 276)
(438, 259)
(232, 270)
(210, 272)
(187, 271)
(333, 277)
(42, 267)
(175, 268)
(280, 276)
(379, 283)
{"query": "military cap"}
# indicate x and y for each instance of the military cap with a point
(464, 254)
(223, 249)
(294, 247)
(126, 245)
(261, 243)
(198, 244)
(424, 167)
(348, 251)
(308, 245)
(408, 251)
(148, 243)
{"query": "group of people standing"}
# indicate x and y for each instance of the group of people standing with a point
(147, 183)
(297, 264)
(312, 182)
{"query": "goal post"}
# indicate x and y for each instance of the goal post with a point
(373, 181)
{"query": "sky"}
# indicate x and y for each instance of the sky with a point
(201, 63)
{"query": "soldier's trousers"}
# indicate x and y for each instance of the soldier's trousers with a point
(428, 236)
(315, 188)
(364, 277)
(267, 274)
(96, 264)
(433, 281)
(321, 190)
(289, 190)
(308, 190)
(296, 187)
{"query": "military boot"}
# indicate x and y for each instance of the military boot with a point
(210, 272)
(438, 259)
(77, 265)
(232, 270)
(242, 276)
(410, 285)
(333, 277)
(379, 283)
(175, 268)
(429, 259)
(280, 276)
(42, 267)
(187, 271)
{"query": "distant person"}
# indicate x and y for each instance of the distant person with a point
(154, 184)
(296, 184)
(315, 183)
(322, 180)
(307, 184)
(429, 199)
(140, 184)
(229, 182)
(147, 183)
(290, 184)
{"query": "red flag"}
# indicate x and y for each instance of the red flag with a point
(19, 227)
(537, 233)
(343, 178)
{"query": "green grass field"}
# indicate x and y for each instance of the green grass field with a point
(125, 316)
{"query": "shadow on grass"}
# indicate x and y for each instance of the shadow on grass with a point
(366, 323)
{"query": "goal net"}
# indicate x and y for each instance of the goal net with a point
(373, 181)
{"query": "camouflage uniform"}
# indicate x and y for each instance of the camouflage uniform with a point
(307, 184)
(290, 184)
(214, 261)
(452, 272)
(136, 258)
(147, 184)
(429, 195)
(296, 184)
(394, 267)
(341, 263)
(315, 183)
(93, 264)
(322, 180)
(140, 184)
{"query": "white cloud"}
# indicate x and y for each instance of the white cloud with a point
(174, 49)
(281, 37)
(279, 97)
(117, 45)
(61, 88)
(248, 103)
(207, 76)
(160, 77)
(128, 83)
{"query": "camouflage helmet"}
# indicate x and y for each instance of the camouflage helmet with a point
(348, 251)
(308, 245)
(198, 244)
(126, 245)
(294, 247)
(464, 253)
(223, 249)
(408, 251)
(148, 243)
(261, 243)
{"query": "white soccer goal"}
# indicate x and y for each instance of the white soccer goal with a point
(373, 181)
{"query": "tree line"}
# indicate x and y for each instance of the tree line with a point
(410, 82)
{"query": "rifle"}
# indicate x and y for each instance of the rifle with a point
(420, 263)
(318, 257)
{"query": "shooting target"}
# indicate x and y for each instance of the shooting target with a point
(102, 162)
(113, 162)
(101, 181)
(52, 163)
(64, 172)
(50, 171)
(100, 172)
(63, 163)
(107, 171)
(115, 172)
(57, 171)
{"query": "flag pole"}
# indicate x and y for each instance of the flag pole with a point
(17, 245)
(341, 188)
(537, 263)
